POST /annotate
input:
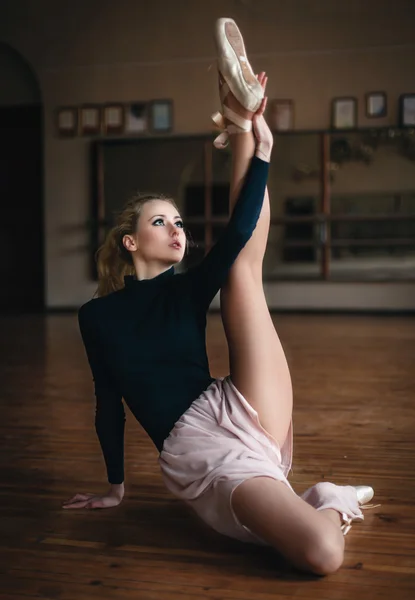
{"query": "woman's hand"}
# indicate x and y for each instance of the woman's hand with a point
(112, 498)
(262, 132)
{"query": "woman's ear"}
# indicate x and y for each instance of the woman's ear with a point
(130, 243)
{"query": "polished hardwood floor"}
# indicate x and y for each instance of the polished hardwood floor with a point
(354, 421)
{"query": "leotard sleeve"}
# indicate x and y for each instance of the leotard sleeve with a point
(109, 412)
(210, 274)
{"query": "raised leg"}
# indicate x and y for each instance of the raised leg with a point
(257, 361)
(312, 540)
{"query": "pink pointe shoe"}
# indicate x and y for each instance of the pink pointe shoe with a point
(234, 66)
(364, 493)
(235, 76)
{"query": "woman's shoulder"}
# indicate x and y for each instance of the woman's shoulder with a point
(99, 305)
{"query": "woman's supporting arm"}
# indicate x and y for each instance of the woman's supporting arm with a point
(109, 414)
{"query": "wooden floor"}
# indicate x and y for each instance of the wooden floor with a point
(354, 423)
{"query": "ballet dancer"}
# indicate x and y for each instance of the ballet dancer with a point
(225, 445)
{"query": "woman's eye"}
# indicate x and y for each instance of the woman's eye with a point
(161, 221)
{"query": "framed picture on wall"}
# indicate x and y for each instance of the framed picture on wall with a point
(67, 121)
(281, 115)
(344, 113)
(407, 110)
(376, 105)
(161, 115)
(136, 118)
(90, 119)
(113, 118)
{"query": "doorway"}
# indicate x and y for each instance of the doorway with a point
(21, 187)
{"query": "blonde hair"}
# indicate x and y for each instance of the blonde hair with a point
(114, 261)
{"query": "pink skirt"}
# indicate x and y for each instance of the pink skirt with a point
(216, 445)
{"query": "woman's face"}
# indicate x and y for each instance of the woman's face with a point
(160, 235)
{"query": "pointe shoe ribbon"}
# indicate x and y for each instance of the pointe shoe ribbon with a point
(365, 494)
(240, 125)
(222, 140)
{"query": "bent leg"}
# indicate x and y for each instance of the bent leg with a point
(258, 365)
(309, 539)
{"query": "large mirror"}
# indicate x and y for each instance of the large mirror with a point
(343, 206)
(342, 203)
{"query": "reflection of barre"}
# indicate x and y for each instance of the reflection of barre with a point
(184, 180)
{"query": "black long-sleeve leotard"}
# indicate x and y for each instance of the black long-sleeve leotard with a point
(146, 343)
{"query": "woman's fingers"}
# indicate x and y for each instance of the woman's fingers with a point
(92, 501)
(262, 107)
(78, 498)
(263, 79)
(78, 504)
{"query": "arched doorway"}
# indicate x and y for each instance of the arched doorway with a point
(21, 186)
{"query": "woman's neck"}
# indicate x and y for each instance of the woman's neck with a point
(149, 270)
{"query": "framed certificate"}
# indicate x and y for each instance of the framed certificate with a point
(90, 119)
(161, 115)
(376, 105)
(407, 110)
(136, 118)
(113, 118)
(281, 115)
(67, 121)
(344, 113)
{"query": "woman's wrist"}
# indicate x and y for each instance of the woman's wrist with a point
(117, 489)
(262, 155)
(263, 151)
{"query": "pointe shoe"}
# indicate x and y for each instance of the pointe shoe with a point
(365, 493)
(234, 66)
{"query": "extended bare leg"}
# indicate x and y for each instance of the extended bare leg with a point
(258, 365)
(307, 529)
